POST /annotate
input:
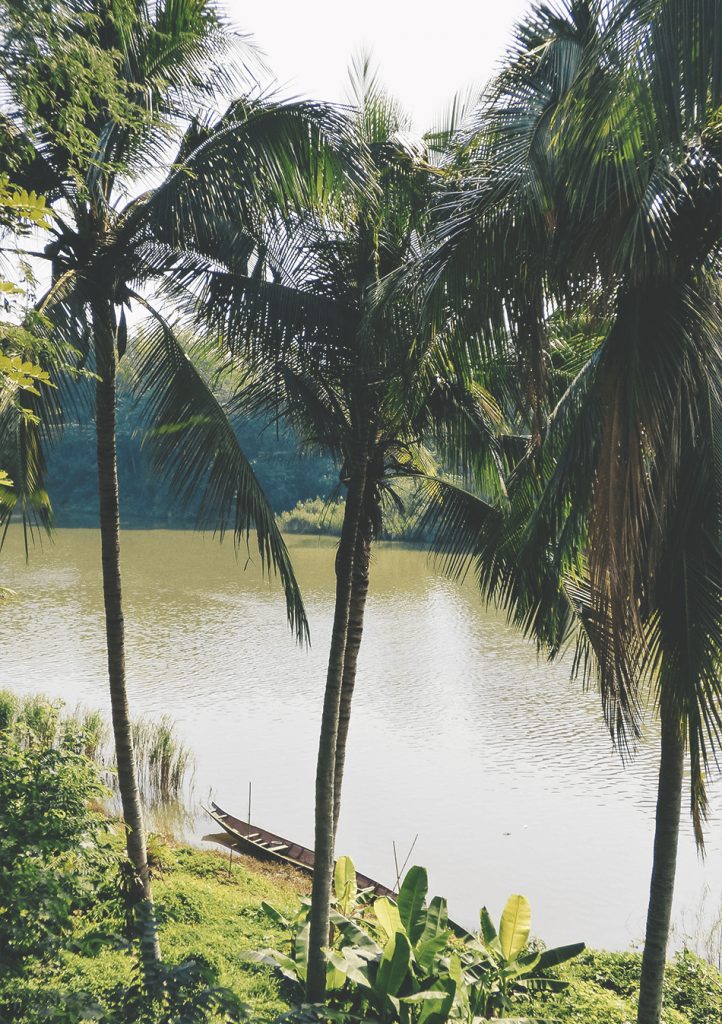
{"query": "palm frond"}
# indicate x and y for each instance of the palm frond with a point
(193, 446)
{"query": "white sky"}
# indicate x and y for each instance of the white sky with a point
(425, 54)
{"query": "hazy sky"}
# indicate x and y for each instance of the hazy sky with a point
(425, 54)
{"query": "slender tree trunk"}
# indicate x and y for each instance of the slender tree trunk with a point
(354, 634)
(324, 835)
(669, 802)
(114, 626)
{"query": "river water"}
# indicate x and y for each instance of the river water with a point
(460, 734)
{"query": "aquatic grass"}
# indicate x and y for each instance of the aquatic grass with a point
(701, 930)
(166, 766)
(169, 759)
(163, 760)
(97, 733)
(38, 719)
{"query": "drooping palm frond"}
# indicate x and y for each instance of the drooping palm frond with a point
(260, 156)
(193, 446)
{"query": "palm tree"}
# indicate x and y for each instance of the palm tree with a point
(617, 519)
(352, 385)
(149, 73)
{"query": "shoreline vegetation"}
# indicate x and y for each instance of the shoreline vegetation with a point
(213, 912)
(324, 518)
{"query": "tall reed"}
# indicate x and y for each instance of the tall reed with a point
(162, 758)
(165, 763)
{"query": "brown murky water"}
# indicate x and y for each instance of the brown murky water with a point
(460, 734)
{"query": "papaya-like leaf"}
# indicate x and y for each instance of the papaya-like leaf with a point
(411, 902)
(387, 914)
(394, 966)
(515, 926)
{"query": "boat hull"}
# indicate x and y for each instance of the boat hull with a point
(259, 842)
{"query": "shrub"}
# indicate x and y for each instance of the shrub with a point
(53, 853)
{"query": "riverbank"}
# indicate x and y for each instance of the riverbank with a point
(210, 912)
(483, 741)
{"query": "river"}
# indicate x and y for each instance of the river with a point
(459, 734)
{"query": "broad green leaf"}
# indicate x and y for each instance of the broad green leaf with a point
(425, 952)
(274, 914)
(437, 1012)
(523, 965)
(420, 997)
(335, 979)
(301, 950)
(274, 959)
(394, 966)
(515, 926)
(345, 883)
(354, 935)
(437, 919)
(411, 902)
(488, 931)
(388, 916)
(528, 961)
(352, 966)
(558, 955)
(546, 985)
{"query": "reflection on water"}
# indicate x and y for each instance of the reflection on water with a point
(459, 732)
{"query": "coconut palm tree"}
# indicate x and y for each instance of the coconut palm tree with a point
(617, 520)
(352, 385)
(102, 95)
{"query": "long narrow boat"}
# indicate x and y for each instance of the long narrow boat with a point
(246, 838)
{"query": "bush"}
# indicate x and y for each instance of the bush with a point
(53, 854)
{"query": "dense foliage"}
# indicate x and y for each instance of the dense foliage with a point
(64, 892)
(54, 857)
(146, 500)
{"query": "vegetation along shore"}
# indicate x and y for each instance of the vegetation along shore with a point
(232, 930)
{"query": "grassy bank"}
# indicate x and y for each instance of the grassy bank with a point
(210, 915)
(205, 912)
(64, 925)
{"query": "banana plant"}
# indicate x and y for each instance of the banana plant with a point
(404, 979)
(350, 901)
(495, 964)
(398, 968)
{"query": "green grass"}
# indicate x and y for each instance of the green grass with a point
(203, 915)
(604, 986)
(209, 917)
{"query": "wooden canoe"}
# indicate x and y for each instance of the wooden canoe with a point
(239, 835)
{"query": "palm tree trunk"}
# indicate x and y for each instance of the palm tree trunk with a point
(114, 625)
(669, 802)
(354, 633)
(325, 792)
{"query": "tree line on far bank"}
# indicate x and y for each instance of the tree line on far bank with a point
(146, 501)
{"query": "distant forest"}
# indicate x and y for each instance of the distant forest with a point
(145, 500)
